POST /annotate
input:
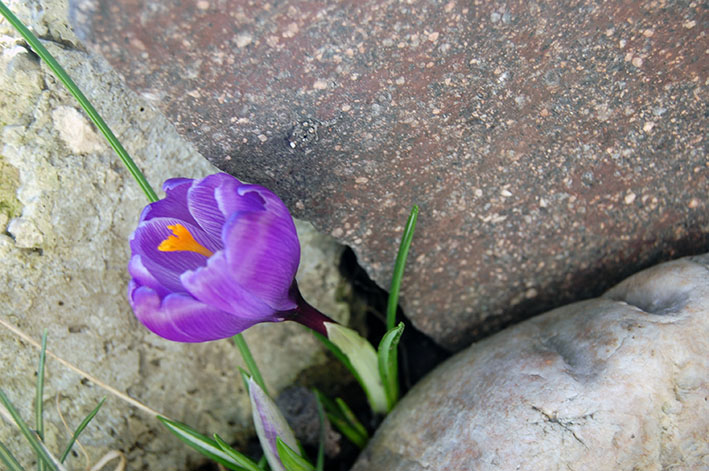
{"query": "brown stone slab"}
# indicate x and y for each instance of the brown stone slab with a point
(553, 148)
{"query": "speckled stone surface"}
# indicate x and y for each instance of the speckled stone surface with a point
(617, 383)
(553, 148)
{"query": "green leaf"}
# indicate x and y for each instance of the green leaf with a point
(39, 395)
(320, 462)
(202, 444)
(399, 265)
(363, 359)
(344, 420)
(351, 417)
(291, 460)
(31, 437)
(243, 460)
(243, 347)
(263, 462)
(80, 429)
(8, 460)
(389, 364)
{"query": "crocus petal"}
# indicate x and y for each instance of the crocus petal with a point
(269, 424)
(181, 318)
(272, 203)
(230, 199)
(167, 267)
(172, 183)
(263, 253)
(214, 286)
(203, 204)
(141, 276)
(174, 205)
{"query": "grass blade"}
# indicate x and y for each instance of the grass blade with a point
(31, 437)
(59, 71)
(202, 444)
(351, 418)
(39, 395)
(320, 462)
(243, 460)
(399, 265)
(389, 363)
(291, 460)
(8, 460)
(241, 344)
(80, 429)
(344, 420)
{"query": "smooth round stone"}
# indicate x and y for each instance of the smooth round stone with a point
(617, 382)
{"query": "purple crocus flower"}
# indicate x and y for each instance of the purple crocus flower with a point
(213, 258)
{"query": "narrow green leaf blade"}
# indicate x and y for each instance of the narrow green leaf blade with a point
(342, 418)
(202, 444)
(80, 429)
(243, 460)
(291, 460)
(34, 442)
(8, 459)
(351, 417)
(320, 462)
(389, 363)
(399, 265)
(39, 395)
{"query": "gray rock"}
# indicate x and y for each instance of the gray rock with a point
(613, 383)
(554, 148)
(67, 208)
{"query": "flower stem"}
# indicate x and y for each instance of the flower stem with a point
(240, 342)
(306, 314)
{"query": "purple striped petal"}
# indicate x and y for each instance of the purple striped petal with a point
(181, 318)
(271, 201)
(230, 199)
(263, 253)
(214, 286)
(141, 276)
(166, 267)
(172, 183)
(202, 202)
(174, 205)
(269, 424)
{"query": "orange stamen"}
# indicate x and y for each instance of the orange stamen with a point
(182, 241)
